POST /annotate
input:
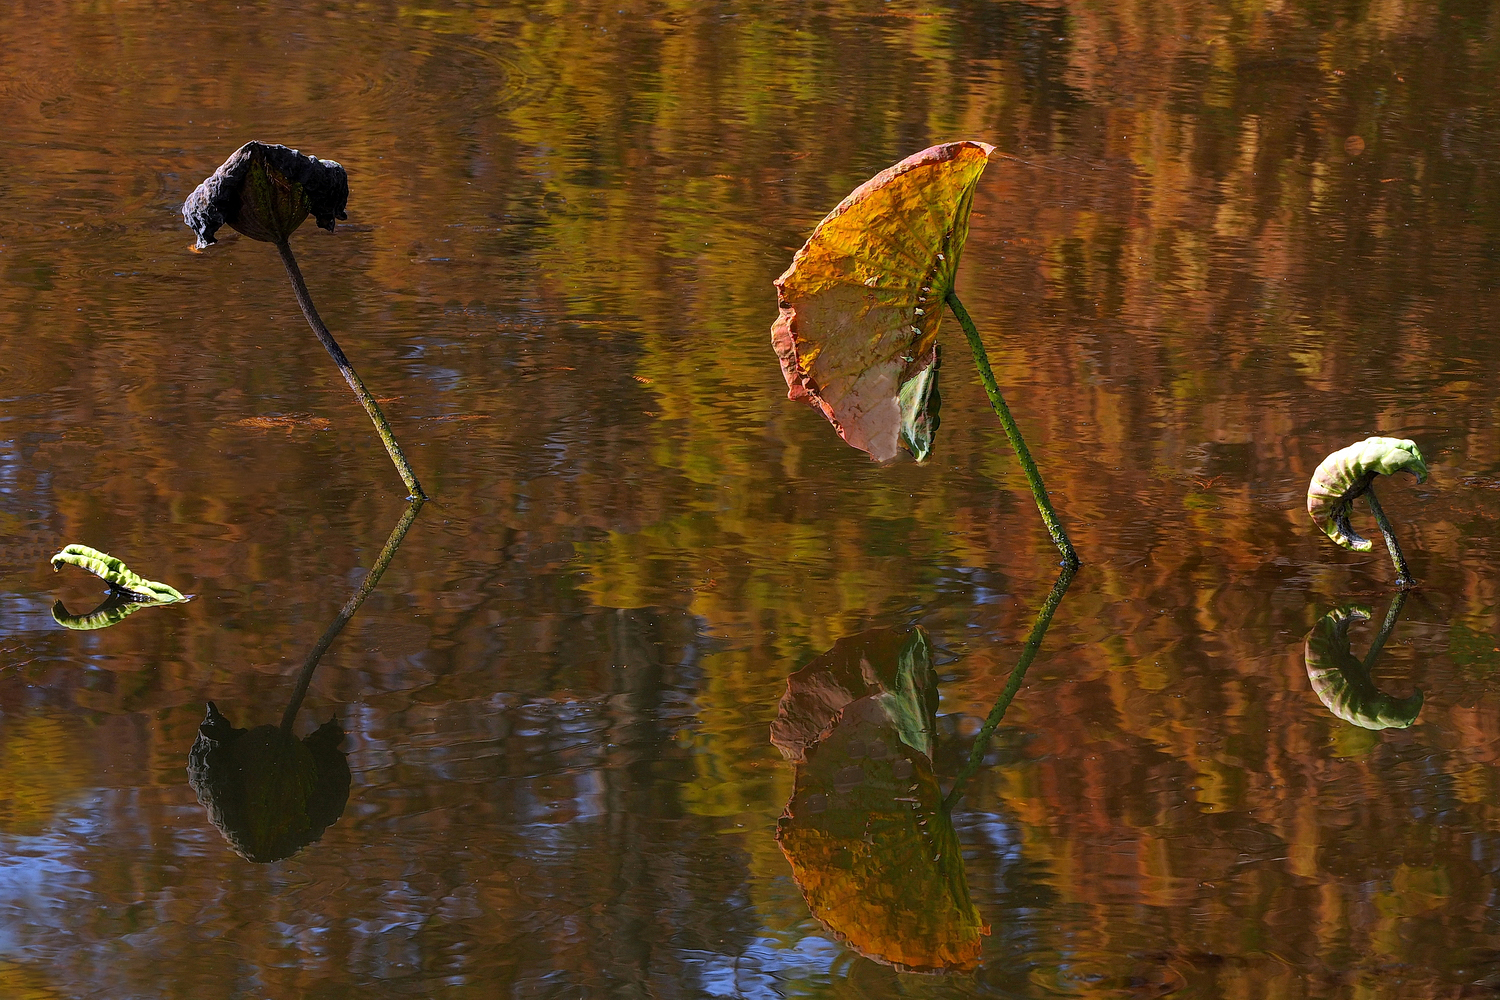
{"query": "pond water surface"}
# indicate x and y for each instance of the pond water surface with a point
(1220, 241)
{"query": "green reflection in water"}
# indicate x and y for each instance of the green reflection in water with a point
(1342, 681)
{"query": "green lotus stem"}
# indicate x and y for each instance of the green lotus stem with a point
(414, 488)
(1033, 477)
(1404, 579)
(366, 585)
(1012, 684)
(1392, 615)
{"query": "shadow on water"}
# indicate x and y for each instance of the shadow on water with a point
(1342, 680)
(868, 831)
(269, 793)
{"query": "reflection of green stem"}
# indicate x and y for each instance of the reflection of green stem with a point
(1033, 477)
(366, 400)
(1391, 615)
(1012, 685)
(1403, 574)
(347, 611)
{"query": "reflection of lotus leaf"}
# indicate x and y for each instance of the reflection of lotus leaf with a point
(874, 851)
(1343, 683)
(268, 793)
(891, 664)
(861, 302)
(114, 609)
(1346, 475)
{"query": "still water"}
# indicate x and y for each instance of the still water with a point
(1223, 240)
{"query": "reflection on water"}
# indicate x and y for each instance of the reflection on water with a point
(1342, 680)
(565, 221)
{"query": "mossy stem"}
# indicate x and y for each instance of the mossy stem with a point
(1403, 574)
(310, 312)
(997, 401)
(366, 585)
(1012, 685)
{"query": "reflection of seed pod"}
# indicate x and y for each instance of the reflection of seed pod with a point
(1346, 475)
(265, 191)
(267, 792)
(1343, 684)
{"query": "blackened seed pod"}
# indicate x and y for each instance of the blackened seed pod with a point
(264, 191)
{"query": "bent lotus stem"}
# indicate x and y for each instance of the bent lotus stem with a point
(1404, 580)
(997, 401)
(310, 312)
(1012, 684)
(368, 584)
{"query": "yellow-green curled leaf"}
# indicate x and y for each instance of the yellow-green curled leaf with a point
(1346, 475)
(861, 302)
(115, 609)
(115, 573)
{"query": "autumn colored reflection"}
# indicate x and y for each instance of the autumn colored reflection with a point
(1221, 240)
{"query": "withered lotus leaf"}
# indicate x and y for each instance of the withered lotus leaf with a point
(265, 191)
(893, 665)
(1343, 683)
(1347, 474)
(861, 303)
(874, 851)
(269, 793)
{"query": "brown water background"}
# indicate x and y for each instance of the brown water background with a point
(1225, 240)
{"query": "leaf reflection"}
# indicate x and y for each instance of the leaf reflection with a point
(868, 832)
(267, 792)
(1342, 681)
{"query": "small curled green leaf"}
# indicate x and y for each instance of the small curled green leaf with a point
(115, 573)
(1346, 475)
(115, 609)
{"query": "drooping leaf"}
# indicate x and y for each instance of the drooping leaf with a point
(1346, 475)
(874, 851)
(1343, 683)
(892, 665)
(115, 573)
(269, 793)
(265, 190)
(861, 303)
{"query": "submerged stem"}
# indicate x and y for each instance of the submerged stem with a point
(347, 611)
(1403, 573)
(413, 488)
(1012, 684)
(997, 401)
(1391, 615)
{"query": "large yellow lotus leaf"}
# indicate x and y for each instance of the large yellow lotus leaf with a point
(861, 303)
(1342, 681)
(875, 853)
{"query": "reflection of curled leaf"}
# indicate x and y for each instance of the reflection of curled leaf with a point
(893, 665)
(265, 191)
(861, 302)
(1346, 475)
(269, 793)
(115, 573)
(114, 609)
(875, 852)
(1343, 683)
